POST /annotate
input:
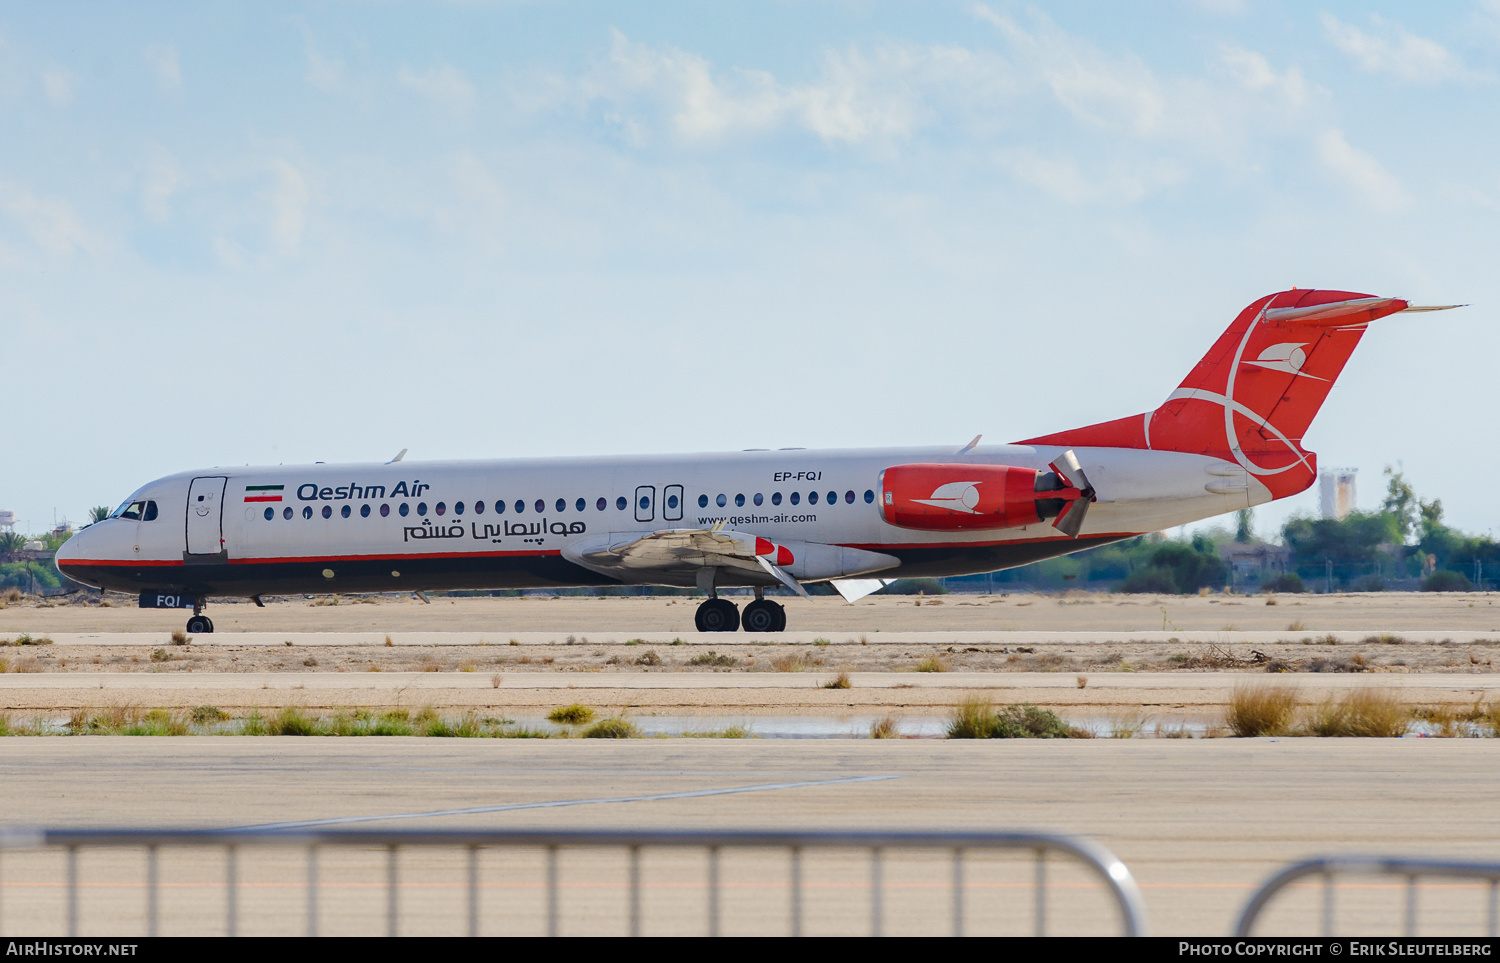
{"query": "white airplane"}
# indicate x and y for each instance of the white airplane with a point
(1228, 438)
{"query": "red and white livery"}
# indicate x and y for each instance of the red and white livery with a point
(1229, 437)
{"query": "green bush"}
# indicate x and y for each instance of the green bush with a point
(1447, 580)
(614, 728)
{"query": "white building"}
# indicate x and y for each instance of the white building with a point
(1336, 492)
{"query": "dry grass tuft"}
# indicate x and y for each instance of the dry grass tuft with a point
(1082, 680)
(180, 637)
(932, 663)
(574, 715)
(616, 727)
(791, 662)
(841, 681)
(1261, 710)
(1370, 713)
(884, 728)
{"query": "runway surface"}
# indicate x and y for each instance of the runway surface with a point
(1199, 822)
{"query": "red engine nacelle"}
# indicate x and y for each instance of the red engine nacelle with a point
(959, 497)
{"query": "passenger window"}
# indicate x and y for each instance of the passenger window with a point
(458, 508)
(580, 505)
(721, 501)
(671, 501)
(620, 503)
(405, 509)
(286, 512)
(346, 511)
(441, 508)
(364, 511)
(869, 497)
(150, 515)
(601, 503)
(385, 510)
(499, 506)
(421, 508)
(327, 511)
(812, 498)
(307, 512)
(796, 497)
(562, 504)
(479, 508)
(833, 498)
(270, 514)
(759, 499)
(849, 497)
(702, 501)
(739, 500)
(541, 506)
(776, 498)
(520, 507)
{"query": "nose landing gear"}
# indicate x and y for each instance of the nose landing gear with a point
(199, 624)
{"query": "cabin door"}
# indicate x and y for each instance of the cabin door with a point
(205, 516)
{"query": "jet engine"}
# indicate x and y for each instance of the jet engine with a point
(946, 498)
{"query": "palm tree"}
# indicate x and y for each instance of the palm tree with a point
(98, 513)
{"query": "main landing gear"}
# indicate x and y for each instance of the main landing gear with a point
(720, 615)
(199, 624)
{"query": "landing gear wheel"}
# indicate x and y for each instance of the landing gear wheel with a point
(763, 615)
(200, 625)
(717, 615)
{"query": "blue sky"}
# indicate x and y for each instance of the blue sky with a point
(263, 233)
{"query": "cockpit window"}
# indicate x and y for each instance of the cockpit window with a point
(142, 511)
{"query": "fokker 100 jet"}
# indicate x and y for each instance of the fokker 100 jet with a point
(1229, 437)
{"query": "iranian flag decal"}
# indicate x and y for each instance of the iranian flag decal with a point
(263, 493)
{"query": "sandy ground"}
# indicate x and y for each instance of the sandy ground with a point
(1099, 652)
(1067, 612)
(1200, 823)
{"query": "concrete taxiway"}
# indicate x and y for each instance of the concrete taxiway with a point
(1199, 822)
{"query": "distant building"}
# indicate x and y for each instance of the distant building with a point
(1337, 492)
(7, 521)
(1255, 561)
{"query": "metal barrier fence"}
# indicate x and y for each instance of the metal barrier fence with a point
(1329, 867)
(954, 847)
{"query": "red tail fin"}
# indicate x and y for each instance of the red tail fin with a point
(1255, 393)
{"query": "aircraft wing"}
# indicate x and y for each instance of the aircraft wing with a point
(679, 556)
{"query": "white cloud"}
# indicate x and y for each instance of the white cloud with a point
(51, 223)
(444, 85)
(1393, 50)
(476, 184)
(1361, 173)
(328, 74)
(857, 97)
(288, 198)
(1254, 72)
(59, 83)
(1061, 177)
(158, 182)
(162, 59)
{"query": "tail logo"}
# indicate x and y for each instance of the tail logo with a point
(1288, 358)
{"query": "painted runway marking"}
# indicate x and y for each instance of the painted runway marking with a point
(559, 803)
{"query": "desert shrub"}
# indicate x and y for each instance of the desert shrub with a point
(1290, 582)
(161, 655)
(932, 663)
(788, 663)
(1363, 712)
(616, 727)
(1261, 710)
(712, 658)
(649, 658)
(203, 715)
(884, 728)
(841, 681)
(292, 722)
(974, 718)
(180, 637)
(574, 715)
(1446, 580)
